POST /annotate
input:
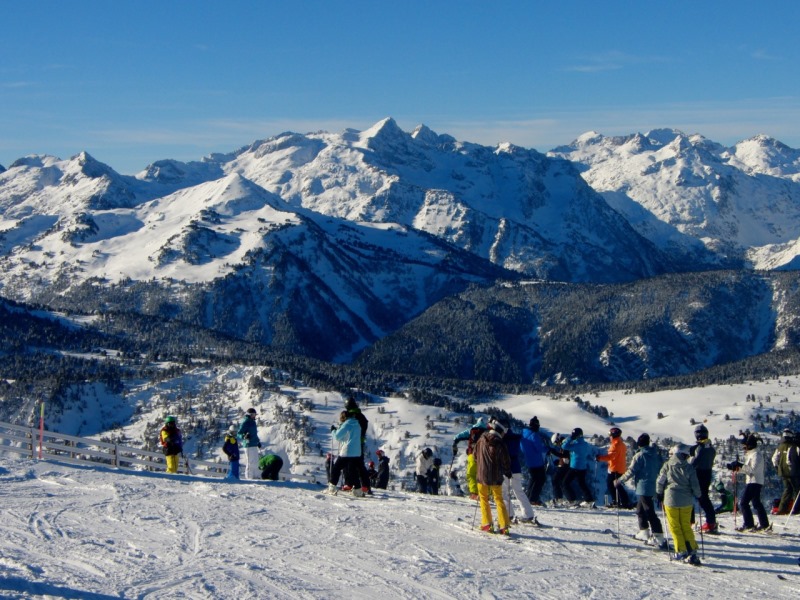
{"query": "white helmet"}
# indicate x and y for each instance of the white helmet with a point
(556, 439)
(680, 449)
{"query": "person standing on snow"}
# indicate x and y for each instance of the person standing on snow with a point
(561, 467)
(753, 469)
(493, 465)
(471, 435)
(513, 444)
(423, 466)
(171, 442)
(383, 470)
(357, 471)
(581, 453)
(702, 459)
(677, 487)
(617, 458)
(348, 434)
(231, 449)
(644, 470)
(534, 448)
(248, 433)
(786, 460)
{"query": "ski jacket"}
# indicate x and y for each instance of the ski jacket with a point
(533, 448)
(702, 456)
(269, 459)
(512, 442)
(786, 460)
(581, 453)
(171, 440)
(383, 472)
(677, 480)
(424, 464)
(491, 459)
(248, 432)
(644, 469)
(471, 434)
(617, 456)
(231, 448)
(348, 434)
(363, 422)
(753, 467)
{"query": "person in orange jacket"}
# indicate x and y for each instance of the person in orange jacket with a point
(616, 457)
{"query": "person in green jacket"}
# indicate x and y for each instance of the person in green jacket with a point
(270, 465)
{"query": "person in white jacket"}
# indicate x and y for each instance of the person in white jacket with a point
(424, 464)
(753, 470)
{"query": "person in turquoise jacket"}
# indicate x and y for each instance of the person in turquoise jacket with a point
(348, 434)
(248, 433)
(581, 455)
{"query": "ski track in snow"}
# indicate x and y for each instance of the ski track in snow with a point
(76, 532)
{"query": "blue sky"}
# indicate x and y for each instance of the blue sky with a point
(135, 82)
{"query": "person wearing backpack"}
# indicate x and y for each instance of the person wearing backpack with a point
(231, 449)
(171, 443)
(786, 461)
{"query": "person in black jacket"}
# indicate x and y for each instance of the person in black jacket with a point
(702, 458)
(383, 470)
(231, 450)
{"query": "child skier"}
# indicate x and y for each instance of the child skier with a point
(231, 450)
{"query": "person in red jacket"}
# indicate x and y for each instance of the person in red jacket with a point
(617, 458)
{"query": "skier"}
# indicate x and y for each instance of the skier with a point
(677, 487)
(348, 434)
(493, 465)
(786, 460)
(534, 449)
(471, 435)
(357, 471)
(702, 458)
(644, 470)
(171, 443)
(513, 442)
(725, 497)
(383, 470)
(248, 433)
(434, 476)
(270, 465)
(580, 453)
(561, 467)
(372, 474)
(231, 449)
(423, 466)
(616, 457)
(753, 469)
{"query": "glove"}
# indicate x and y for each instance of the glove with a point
(617, 483)
(734, 466)
(333, 427)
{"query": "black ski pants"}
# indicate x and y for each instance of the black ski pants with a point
(752, 494)
(577, 476)
(704, 477)
(558, 482)
(536, 478)
(791, 487)
(647, 515)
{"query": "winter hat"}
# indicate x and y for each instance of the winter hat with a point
(427, 453)
(615, 432)
(379, 452)
(643, 441)
(750, 442)
(576, 433)
(700, 432)
(534, 424)
(681, 450)
(232, 430)
(251, 411)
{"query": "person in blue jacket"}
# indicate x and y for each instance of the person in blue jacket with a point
(581, 454)
(644, 470)
(248, 433)
(348, 434)
(534, 449)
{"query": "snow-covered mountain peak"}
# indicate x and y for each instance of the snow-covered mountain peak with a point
(386, 129)
(665, 136)
(764, 154)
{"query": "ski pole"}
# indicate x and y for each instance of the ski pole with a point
(702, 544)
(616, 492)
(669, 530)
(735, 499)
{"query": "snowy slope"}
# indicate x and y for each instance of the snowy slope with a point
(99, 533)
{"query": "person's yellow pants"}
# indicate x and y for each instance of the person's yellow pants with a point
(172, 463)
(486, 510)
(679, 521)
(472, 474)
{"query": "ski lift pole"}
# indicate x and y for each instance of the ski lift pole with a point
(735, 498)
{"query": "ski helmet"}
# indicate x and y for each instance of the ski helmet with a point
(251, 411)
(232, 430)
(170, 419)
(615, 432)
(498, 427)
(643, 441)
(379, 452)
(700, 432)
(371, 465)
(534, 424)
(576, 433)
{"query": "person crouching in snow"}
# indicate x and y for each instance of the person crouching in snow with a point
(677, 487)
(644, 470)
(270, 465)
(494, 465)
(348, 434)
(231, 449)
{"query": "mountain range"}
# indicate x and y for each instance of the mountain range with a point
(323, 244)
